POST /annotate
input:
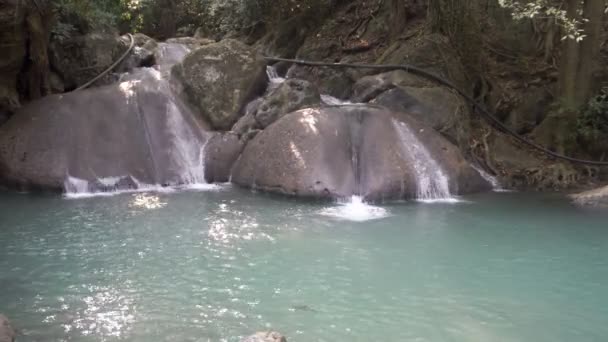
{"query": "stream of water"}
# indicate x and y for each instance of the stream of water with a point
(218, 265)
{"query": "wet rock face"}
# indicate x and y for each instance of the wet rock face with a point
(221, 152)
(338, 152)
(267, 336)
(597, 198)
(220, 79)
(131, 128)
(7, 334)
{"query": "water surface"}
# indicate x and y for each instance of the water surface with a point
(220, 264)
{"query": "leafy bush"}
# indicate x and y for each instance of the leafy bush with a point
(593, 121)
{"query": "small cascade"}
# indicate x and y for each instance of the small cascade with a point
(333, 101)
(355, 209)
(273, 77)
(432, 183)
(496, 187)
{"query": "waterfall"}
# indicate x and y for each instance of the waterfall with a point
(431, 181)
(174, 140)
(188, 152)
(273, 77)
(496, 187)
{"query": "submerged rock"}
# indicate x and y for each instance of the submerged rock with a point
(266, 336)
(594, 198)
(338, 152)
(7, 333)
(221, 78)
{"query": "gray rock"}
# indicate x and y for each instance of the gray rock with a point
(597, 198)
(266, 336)
(7, 333)
(338, 152)
(335, 82)
(291, 95)
(220, 79)
(221, 152)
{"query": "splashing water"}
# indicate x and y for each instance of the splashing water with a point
(432, 183)
(355, 209)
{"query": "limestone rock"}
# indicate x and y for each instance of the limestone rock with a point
(338, 152)
(7, 333)
(594, 198)
(291, 95)
(220, 79)
(335, 82)
(221, 151)
(266, 336)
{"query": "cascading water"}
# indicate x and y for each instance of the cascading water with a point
(172, 140)
(273, 77)
(496, 187)
(432, 183)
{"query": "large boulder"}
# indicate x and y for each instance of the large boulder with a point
(221, 78)
(7, 333)
(338, 152)
(137, 129)
(594, 198)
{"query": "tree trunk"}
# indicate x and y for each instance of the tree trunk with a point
(589, 50)
(569, 64)
(397, 18)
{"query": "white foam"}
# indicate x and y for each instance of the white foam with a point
(141, 187)
(355, 209)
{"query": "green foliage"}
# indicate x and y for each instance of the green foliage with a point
(82, 16)
(552, 9)
(593, 121)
